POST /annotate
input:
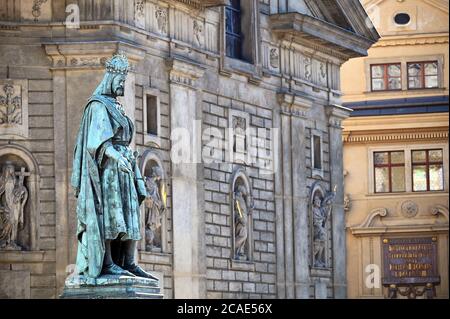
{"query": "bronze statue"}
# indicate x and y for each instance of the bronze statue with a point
(107, 182)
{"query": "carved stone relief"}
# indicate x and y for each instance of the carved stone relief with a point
(347, 202)
(239, 139)
(274, 58)
(161, 19)
(10, 104)
(13, 109)
(198, 33)
(322, 76)
(409, 209)
(36, 9)
(139, 13)
(308, 68)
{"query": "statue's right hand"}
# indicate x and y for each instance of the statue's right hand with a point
(124, 165)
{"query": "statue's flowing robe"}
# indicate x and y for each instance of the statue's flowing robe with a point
(108, 198)
(241, 233)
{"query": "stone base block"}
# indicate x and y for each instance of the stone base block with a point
(111, 287)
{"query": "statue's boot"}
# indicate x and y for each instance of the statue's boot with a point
(131, 265)
(109, 267)
(139, 272)
(115, 270)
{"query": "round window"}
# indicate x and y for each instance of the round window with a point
(402, 18)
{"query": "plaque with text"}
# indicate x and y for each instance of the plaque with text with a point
(410, 261)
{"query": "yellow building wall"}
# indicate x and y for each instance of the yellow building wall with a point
(372, 217)
(364, 244)
(425, 38)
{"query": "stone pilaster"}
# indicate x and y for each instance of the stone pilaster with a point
(336, 115)
(294, 254)
(189, 244)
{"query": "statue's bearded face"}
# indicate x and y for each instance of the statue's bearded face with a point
(118, 85)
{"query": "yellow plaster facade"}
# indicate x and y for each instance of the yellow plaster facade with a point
(404, 120)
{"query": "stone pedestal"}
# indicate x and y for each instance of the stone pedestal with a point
(111, 287)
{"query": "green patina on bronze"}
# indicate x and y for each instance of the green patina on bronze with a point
(107, 182)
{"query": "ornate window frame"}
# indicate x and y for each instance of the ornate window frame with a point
(251, 37)
(408, 166)
(440, 58)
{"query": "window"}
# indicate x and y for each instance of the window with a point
(152, 115)
(389, 170)
(427, 170)
(402, 18)
(423, 75)
(317, 152)
(233, 30)
(386, 77)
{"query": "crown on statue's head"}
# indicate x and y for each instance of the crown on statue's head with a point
(118, 64)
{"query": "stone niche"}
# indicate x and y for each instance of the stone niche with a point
(320, 210)
(19, 200)
(242, 205)
(155, 207)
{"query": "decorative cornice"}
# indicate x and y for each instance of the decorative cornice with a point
(390, 226)
(200, 4)
(352, 137)
(398, 41)
(440, 210)
(381, 212)
(300, 26)
(184, 72)
(80, 55)
(336, 114)
(293, 104)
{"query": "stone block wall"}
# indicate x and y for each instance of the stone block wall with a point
(150, 74)
(35, 266)
(177, 54)
(226, 277)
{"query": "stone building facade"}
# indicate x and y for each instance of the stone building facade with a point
(242, 222)
(404, 198)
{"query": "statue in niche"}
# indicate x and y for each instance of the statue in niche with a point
(321, 210)
(243, 207)
(107, 182)
(13, 197)
(155, 206)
